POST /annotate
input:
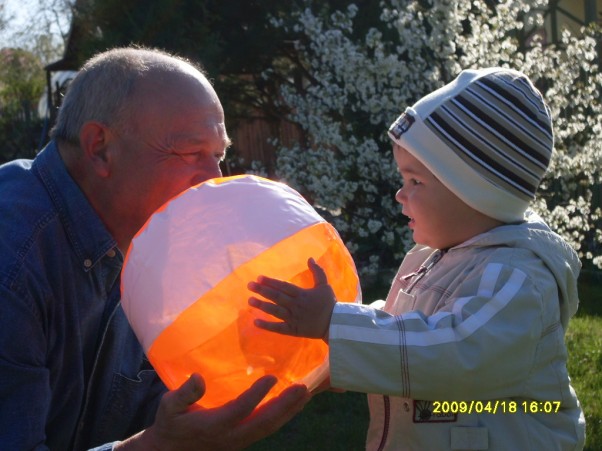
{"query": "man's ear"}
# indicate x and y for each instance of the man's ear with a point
(94, 139)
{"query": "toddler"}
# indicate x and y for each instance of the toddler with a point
(467, 352)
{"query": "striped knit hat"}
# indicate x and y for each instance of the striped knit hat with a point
(487, 136)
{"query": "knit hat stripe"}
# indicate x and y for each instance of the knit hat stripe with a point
(498, 134)
(539, 129)
(509, 126)
(455, 135)
(494, 134)
(526, 93)
(488, 139)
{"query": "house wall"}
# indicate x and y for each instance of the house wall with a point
(572, 15)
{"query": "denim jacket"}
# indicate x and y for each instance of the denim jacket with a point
(72, 373)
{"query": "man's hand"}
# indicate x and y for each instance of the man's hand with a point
(304, 312)
(180, 425)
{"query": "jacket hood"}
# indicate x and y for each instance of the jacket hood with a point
(561, 259)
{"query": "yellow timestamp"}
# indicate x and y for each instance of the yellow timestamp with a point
(495, 407)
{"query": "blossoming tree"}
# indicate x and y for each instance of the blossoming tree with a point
(357, 82)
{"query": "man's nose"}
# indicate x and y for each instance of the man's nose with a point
(207, 168)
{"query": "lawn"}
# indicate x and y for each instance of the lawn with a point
(584, 343)
(334, 422)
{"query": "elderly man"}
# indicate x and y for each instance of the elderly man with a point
(137, 127)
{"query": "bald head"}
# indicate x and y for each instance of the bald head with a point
(107, 88)
(137, 127)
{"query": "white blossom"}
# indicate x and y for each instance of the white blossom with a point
(359, 84)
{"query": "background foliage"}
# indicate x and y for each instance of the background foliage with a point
(360, 82)
(21, 85)
(342, 72)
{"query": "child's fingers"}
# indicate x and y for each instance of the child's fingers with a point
(278, 285)
(270, 308)
(280, 328)
(274, 295)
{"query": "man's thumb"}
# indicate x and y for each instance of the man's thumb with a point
(189, 392)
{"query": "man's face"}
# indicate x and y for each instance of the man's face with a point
(176, 140)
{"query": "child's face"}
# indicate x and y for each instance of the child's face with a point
(438, 218)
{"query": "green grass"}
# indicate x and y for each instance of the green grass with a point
(584, 344)
(337, 422)
(331, 421)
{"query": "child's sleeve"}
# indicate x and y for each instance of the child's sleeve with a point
(488, 340)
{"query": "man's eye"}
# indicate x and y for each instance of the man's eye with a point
(190, 157)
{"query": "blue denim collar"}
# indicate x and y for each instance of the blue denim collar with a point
(86, 231)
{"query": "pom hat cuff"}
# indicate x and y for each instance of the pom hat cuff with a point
(473, 189)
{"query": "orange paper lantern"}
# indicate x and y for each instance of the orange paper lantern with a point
(184, 284)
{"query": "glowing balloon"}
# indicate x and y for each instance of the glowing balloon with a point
(184, 284)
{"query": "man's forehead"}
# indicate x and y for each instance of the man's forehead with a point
(202, 132)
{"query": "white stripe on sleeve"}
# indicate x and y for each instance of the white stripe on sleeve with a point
(421, 332)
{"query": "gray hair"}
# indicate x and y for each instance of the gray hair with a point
(103, 89)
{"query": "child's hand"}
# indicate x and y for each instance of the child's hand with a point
(304, 312)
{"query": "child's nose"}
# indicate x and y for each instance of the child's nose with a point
(400, 196)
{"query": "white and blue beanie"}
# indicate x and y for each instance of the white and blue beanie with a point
(487, 136)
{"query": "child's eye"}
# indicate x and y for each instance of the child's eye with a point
(410, 181)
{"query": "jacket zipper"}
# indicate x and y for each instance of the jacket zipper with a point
(415, 276)
(424, 268)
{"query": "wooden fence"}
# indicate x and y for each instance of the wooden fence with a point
(252, 140)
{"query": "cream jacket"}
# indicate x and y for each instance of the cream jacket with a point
(483, 325)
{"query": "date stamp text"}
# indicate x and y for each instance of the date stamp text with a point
(495, 407)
